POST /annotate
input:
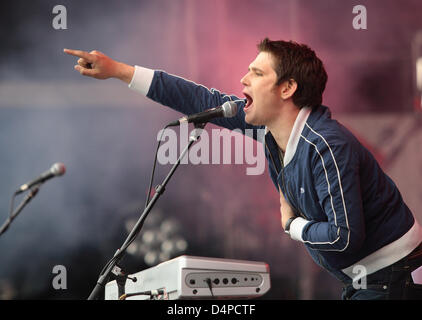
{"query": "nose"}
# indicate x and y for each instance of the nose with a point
(244, 80)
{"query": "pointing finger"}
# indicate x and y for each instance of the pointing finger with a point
(81, 54)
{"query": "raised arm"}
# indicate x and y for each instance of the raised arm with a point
(175, 92)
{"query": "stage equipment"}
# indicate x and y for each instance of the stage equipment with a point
(189, 277)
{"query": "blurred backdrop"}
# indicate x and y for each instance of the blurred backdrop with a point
(106, 134)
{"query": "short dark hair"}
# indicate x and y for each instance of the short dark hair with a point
(298, 62)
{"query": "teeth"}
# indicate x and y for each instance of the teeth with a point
(249, 100)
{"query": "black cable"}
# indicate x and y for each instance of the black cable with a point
(12, 201)
(123, 249)
(13, 214)
(153, 167)
(8, 221)
(208, 281)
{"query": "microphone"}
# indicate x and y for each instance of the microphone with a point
(56, 169)
(227, 110)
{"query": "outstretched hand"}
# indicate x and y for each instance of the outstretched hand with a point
(97, 65)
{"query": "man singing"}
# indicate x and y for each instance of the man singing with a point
(334, 197)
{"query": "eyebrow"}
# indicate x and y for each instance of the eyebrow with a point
(255, 69)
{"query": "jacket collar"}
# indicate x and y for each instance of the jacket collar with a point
(294, 137)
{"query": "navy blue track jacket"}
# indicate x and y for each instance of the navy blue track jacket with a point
(349, 211)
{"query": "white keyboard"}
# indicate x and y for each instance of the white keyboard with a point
(188, 277)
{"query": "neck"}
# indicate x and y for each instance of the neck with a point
(282, 126)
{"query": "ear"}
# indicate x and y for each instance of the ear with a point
(288, 89)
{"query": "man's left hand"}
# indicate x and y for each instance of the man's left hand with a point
(285, 210)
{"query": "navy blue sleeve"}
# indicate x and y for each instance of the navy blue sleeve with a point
(337, 181)
(189, 97)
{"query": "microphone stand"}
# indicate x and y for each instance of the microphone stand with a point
(159, 190)
(25, 201)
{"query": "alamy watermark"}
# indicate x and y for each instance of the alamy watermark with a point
(216, 148)
(360, 21)
(60, 19)
(60, 280)
(359, 281)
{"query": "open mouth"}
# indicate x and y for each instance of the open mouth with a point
(249, 101)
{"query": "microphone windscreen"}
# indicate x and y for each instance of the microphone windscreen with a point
(229, 109)
(58, 169)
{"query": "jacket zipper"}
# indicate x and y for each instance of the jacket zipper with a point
(284, 182)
